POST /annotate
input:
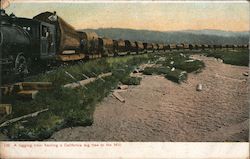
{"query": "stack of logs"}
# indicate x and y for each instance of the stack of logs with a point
(26, 89)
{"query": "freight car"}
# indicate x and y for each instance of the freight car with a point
(210, 46)
(140, 47)
(120, 47)
(155, 47)
(106, 46)
(172, 47)
(199, 46)
(185, 46)
(179, 46)
(204, 46)
(89, 44)
(130, 47)
(160, 47)
(191, 46)
(148, 47)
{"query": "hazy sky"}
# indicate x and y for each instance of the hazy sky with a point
(151, 16)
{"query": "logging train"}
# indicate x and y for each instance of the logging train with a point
(48, 37)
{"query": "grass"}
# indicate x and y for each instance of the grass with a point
(238, 57)
(181, 63)
(131, 80)
(70, 107)
(176, 76)
(156, 70)
(190, 66)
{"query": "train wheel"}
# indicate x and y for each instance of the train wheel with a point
(21, 65)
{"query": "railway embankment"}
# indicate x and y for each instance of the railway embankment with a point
(162, 110)
(75, 107)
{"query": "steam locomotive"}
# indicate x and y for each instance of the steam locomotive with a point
(48, 37)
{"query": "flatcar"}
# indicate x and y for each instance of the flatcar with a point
(140, 47)
(155, 47)
(130, 47)
(172, 46)
(210, 46)
(89, 44)
(120, 47)
(185, 46)
(160, 47)
(191, 46)
(204, 46)
(148, 47)
(179, 46)
(106, 46)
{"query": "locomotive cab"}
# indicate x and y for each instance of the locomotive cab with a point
(47, 40)
(43, 41)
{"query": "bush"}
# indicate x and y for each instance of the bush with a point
(131, 80)
(156, 70)
(176, 76)
(238, 57)
(181, 63)
(190, 66)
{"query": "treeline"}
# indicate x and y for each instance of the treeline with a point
(193, 37)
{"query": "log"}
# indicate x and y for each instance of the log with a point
(136, 71)
(199, 87)
(5, 109)
(120, 90)
(191, 60)
(22, 117)
(79, 83)
(220, 60)
(105, 75)
(36, 85)
(123, 87)
(245, 73)
(17, 87)
(118, 96)
(85, 76)
(31, 94)
(86, 81)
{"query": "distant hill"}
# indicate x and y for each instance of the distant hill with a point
(187, 36)
(218, 32)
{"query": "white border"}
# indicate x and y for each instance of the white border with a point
(164, 150)
(127, 150)
(124, 1)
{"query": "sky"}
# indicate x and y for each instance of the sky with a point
(228, 16)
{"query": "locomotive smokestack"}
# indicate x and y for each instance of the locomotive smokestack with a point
(53, 17)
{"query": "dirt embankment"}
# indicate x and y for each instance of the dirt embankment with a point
(160, 110)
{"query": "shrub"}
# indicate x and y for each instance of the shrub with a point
(176, 76)
(238, 57)
(131, 80)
